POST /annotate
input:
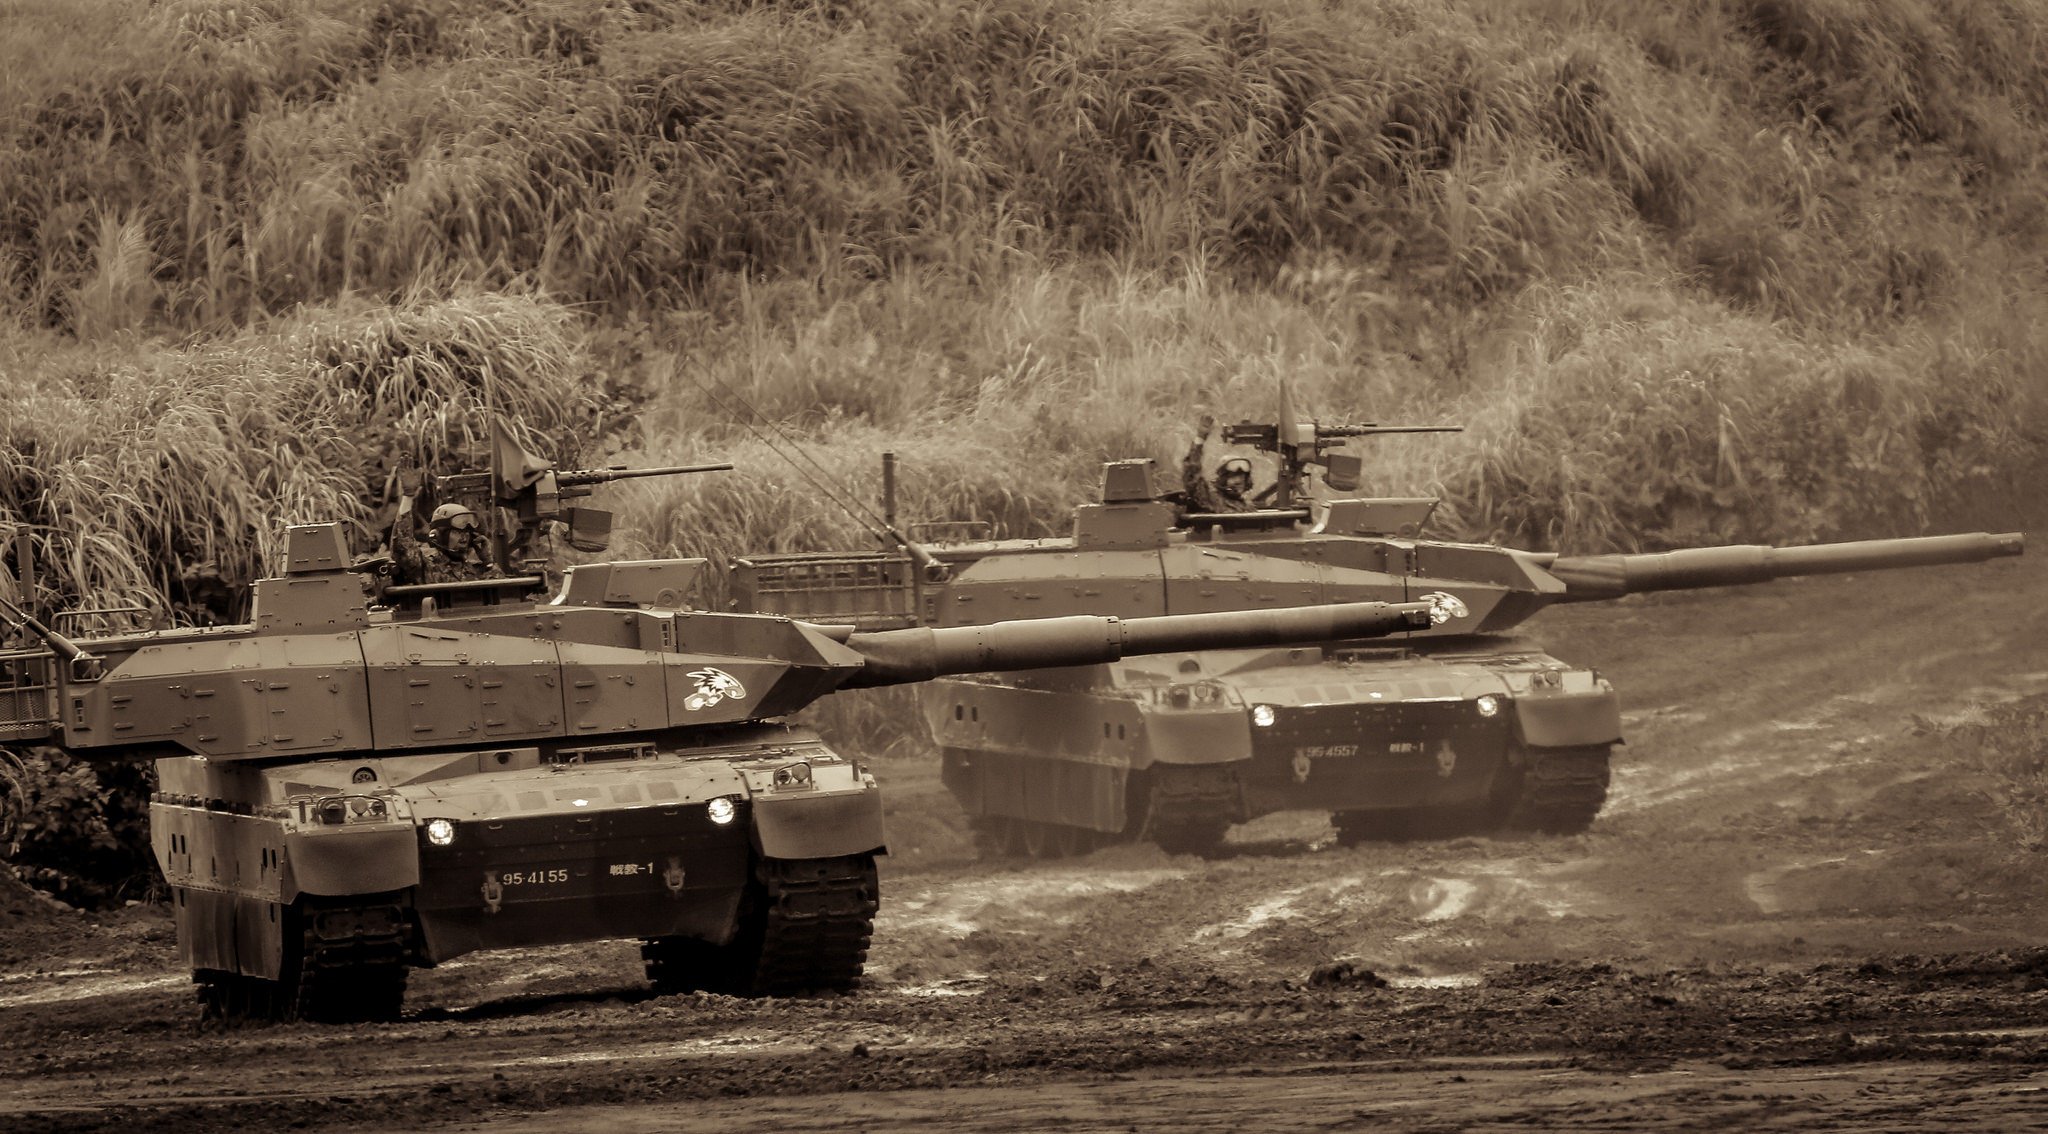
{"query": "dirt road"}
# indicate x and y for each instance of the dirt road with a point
(1805, 908)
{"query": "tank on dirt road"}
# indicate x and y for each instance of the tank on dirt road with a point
(1462, 726)
(368, 778)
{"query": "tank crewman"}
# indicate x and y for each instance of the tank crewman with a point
(1229, 490)
(451, 553)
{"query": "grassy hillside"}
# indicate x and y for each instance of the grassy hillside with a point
(1727, 269)
(1696, 271)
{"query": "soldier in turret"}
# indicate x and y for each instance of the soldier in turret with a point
(451, 553)
(1229, 490)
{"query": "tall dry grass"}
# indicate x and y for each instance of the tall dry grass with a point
(638, 156)
(1011, 237)
(1717, 269)
(129, 467)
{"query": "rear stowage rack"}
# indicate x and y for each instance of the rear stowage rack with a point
(27, 704)
(871, 590)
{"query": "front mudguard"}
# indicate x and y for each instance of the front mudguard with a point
(1215, 736)
(820, 825)
(340, 861)
(1568, 720)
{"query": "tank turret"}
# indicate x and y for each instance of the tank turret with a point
(368, 778)
(1449, 728)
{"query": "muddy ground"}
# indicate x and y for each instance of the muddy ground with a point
(1811, 904)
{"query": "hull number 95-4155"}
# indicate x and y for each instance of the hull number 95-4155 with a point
(534, 877)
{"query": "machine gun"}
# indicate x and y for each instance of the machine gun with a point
(533, 491)
(540, 499)
(1301, 444)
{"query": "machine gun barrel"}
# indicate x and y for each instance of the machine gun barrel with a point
(481, 486)
(898, 657)
(1370, 429)
(577, 478)
(1589, 577)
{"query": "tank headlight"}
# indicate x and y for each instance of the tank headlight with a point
(440, 832)
(1488, 705)
(1263, 716)
(721, 810)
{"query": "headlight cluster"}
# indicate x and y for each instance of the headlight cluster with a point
(1264, 716)
(440, 832)
(797, 775)
(721, 810)
(336, 809)
(1488, 704)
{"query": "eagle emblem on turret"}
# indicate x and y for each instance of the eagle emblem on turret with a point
(1443, 606)
(713, 686)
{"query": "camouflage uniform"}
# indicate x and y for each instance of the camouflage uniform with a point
(415, 561)
(1203, 493)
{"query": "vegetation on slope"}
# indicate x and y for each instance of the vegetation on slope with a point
(1700, 271)
(1646, 253)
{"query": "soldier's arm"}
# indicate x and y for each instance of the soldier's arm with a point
(408, 557)
(1201, 496)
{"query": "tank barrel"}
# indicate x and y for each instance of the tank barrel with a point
(1590, 577)
(897, 657)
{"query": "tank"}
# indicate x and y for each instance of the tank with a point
(1461, 727)
(368, 778)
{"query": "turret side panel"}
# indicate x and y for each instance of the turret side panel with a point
(1123, 584)
(236, 698)
(712, 689)
(738, 667)
(1496, 587)
(1200, 580)
(431, 686)
(609, 689)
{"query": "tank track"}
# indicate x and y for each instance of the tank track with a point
(344, 962)
(1188, 810)
(1560, 790)
(804, 928)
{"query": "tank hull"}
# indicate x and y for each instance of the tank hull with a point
(744, 861)
(1391, 743)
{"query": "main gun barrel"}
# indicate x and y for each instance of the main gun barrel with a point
(898, 657)
(1588, 577)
